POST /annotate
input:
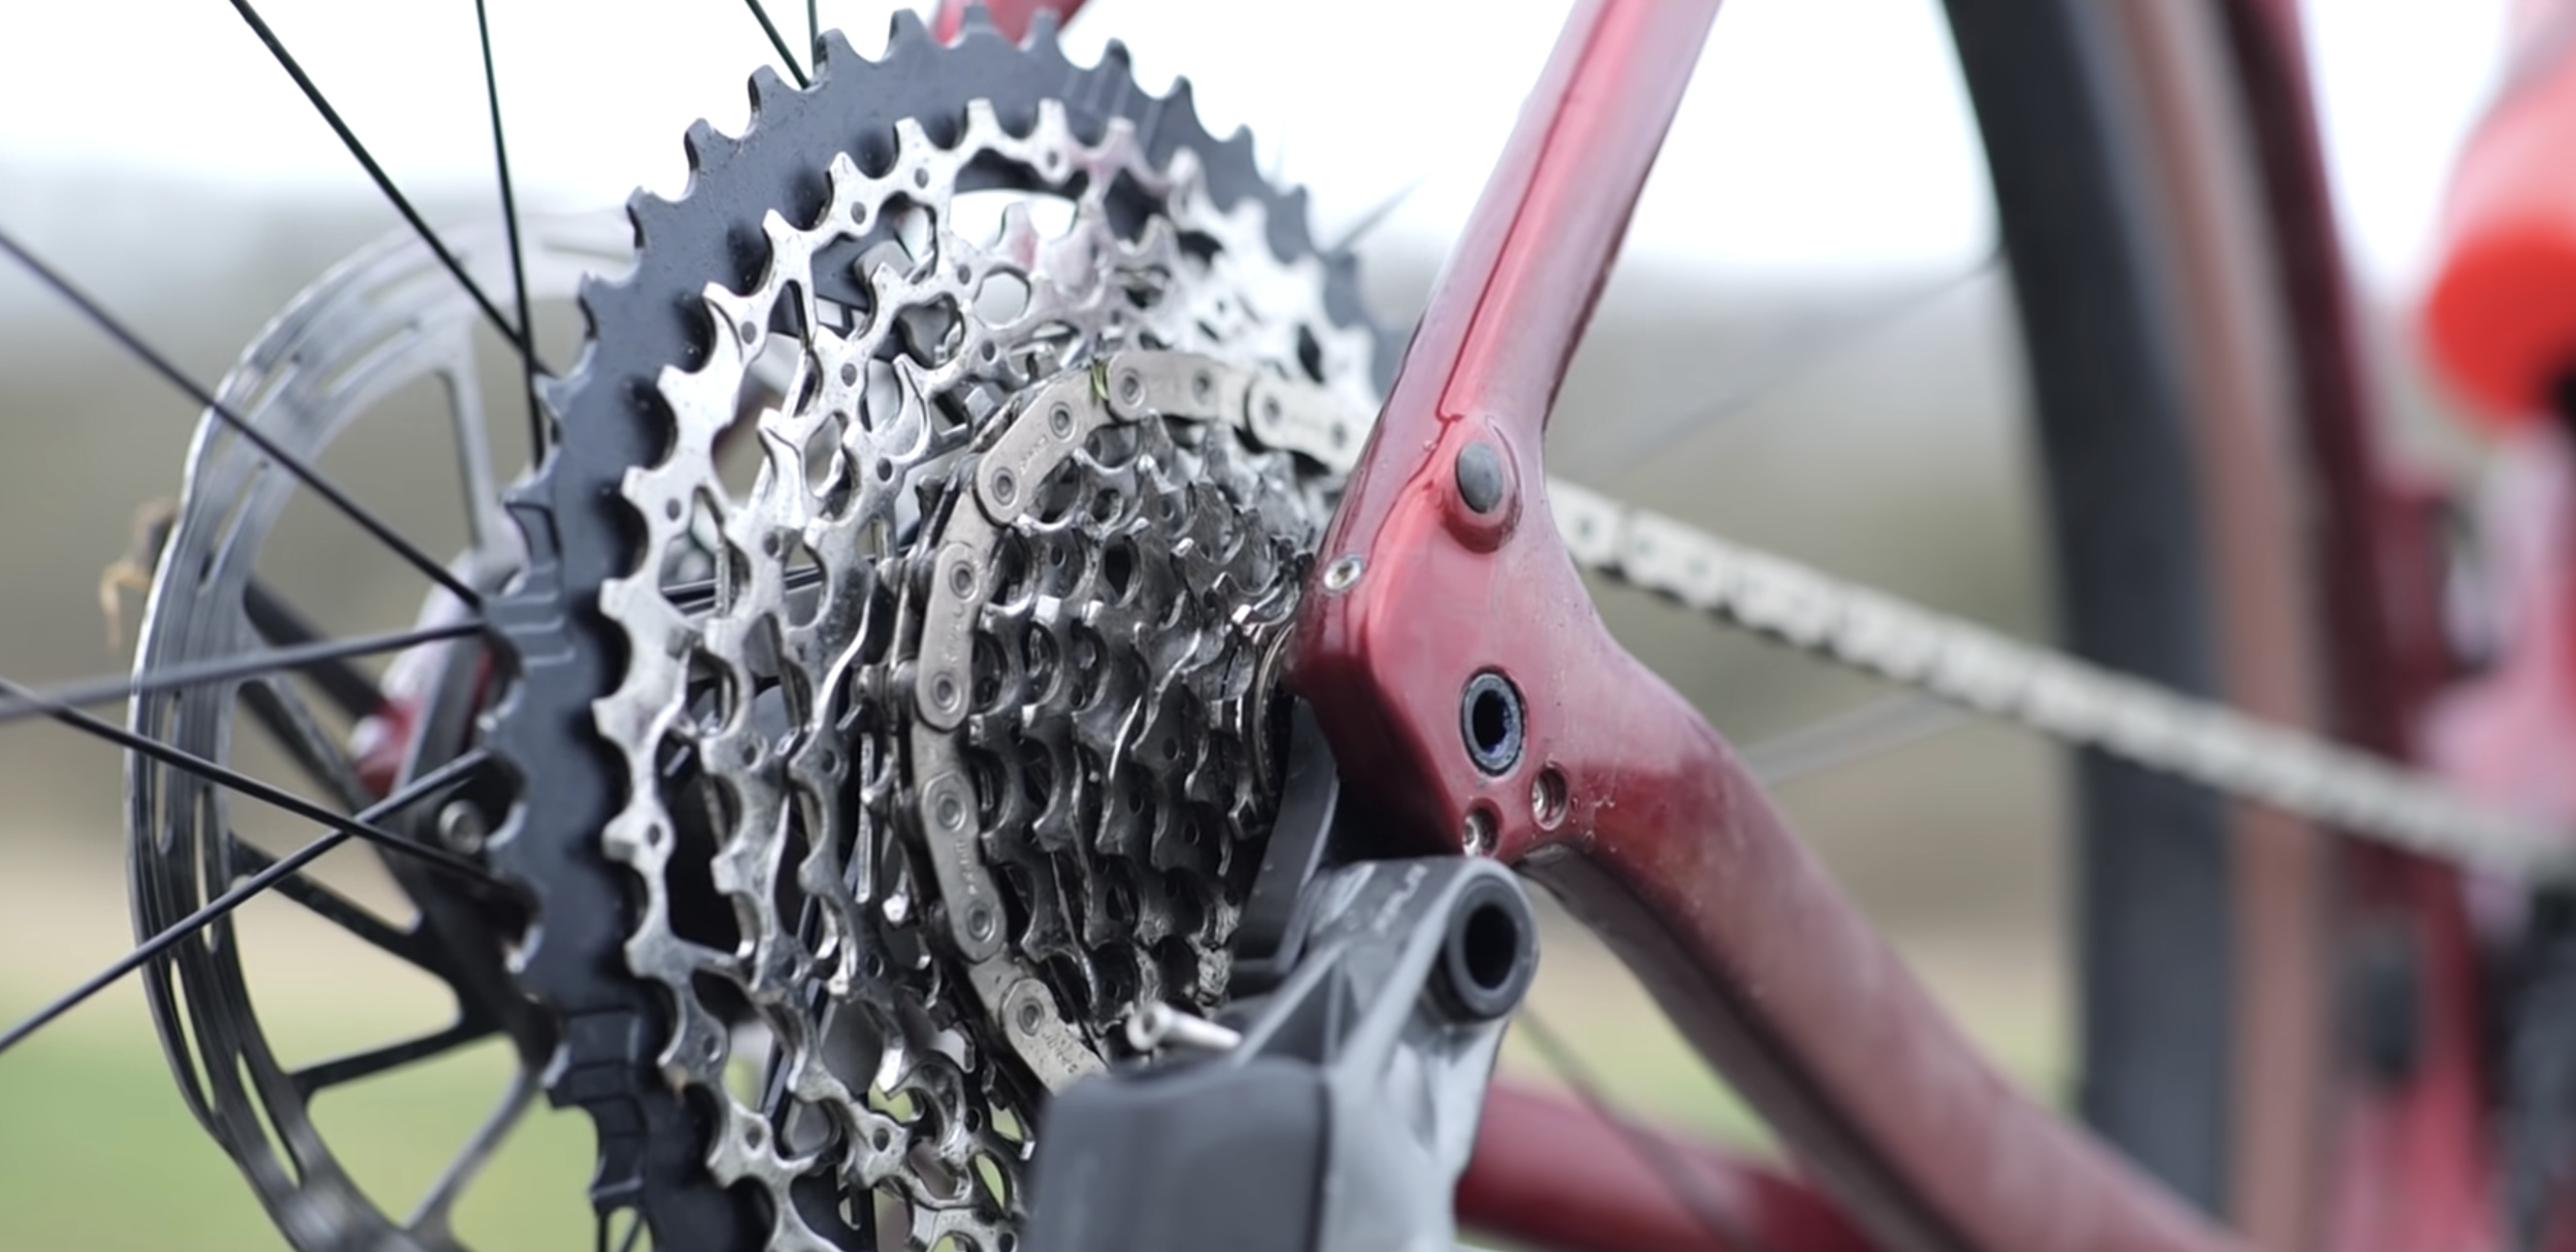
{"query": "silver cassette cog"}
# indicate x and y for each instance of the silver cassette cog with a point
(969, 789)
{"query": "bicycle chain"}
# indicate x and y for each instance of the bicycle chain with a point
(2049, 692)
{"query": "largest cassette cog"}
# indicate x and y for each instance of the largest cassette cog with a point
(852, 818)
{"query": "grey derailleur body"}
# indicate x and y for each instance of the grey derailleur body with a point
(1332, 1104)
(887, 688)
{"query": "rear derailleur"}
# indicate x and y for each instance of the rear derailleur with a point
(1333, 1103)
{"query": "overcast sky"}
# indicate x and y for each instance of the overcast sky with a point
(1818, 134)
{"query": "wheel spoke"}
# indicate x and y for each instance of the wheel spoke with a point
(1605, 458)
(307, 657)
(282, 625)
(293, 464)
(234, 780)
(432, 783)
(626, 1242)
(1882, 725)
(1677, 1175)
(392, 1056)
(1376, 216)
(526, 344)
(510, 224)
(432, 1214)
(282, 711)
(409, 946)
(777, 42)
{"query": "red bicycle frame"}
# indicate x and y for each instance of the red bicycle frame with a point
(1662, 842)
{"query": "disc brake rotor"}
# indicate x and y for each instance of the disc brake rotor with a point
(931, 748)
(336, 360)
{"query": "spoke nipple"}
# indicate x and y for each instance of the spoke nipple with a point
(1480, 476)
(1344, 574)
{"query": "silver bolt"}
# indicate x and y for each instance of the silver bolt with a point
(1479, 832)
(460, 827)
(1344, 574)
(1156, 1026)
(1547, 797)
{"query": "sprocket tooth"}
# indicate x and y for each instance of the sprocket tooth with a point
(906, 33)
(652, 215)
(977, 23)
(1044, 29)
(555, 391)
(708, 149)
(1115, 58)
(1182, 105)
(835, 55)
(1298, 205)
(1291, 223)
(767, 90)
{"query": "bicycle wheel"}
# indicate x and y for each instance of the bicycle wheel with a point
(699, 709)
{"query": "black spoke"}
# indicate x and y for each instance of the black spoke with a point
(293, 464)
(1678, 1175)
(526, 344)
(432, 783)
(813, 33)
(375, 1061)
(778, 42)
(510, 223)
(1779, 368)
(280, 625)
(407, 945)
(234, 780)
(223, 669)
(287, 716)
(433, 1213)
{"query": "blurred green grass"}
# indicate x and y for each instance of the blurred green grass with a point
(99, 1154)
